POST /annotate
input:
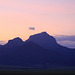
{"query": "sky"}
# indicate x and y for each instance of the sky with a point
(56, 17)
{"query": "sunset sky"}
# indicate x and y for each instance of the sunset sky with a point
(56, 17)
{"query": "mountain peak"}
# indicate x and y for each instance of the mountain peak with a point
(40, 34)
(44, 32)
(14, 42)
(43, 39)
(16, 39)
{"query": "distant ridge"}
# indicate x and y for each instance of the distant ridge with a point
(16, 42)
(39, 51)
(44, 40)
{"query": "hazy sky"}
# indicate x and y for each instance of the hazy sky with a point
(53, 16)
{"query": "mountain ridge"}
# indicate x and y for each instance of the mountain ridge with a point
(16, 42)
(41, 35)
(34, 51)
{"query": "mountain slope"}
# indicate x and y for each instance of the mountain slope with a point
(16, 42)
(44, 40)
(0, 45)
(40, 49)
(30, 54)
(10, 46)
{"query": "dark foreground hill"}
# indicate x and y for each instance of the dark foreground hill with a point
(39, 51)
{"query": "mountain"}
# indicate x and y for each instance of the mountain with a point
(10, 46)
(49, 42)
(16, 42)
(31, 54)
(44, 40)
(39, 51)
(0, 45)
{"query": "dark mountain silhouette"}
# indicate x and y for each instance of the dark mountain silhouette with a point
(10, 46)
(0, 45)
(45, 40)
(48, 42)
(16, 42)
(30, 54)
(39, 51)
